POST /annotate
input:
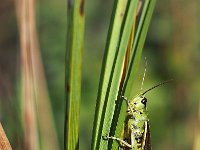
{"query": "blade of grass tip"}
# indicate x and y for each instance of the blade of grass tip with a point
(76, 19)
(117, 69)
(138, 44)
(110, 50)
(4, 143)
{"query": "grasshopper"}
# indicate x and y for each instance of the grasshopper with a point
(136, 133)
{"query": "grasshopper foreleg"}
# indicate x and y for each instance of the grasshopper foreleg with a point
(118, 140)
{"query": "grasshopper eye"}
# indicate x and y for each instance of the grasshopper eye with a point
(144, 101)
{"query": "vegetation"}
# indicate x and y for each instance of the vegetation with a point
(171, 49)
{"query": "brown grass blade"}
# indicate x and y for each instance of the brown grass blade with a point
(4, 143)
(27, 85)
(36, 110)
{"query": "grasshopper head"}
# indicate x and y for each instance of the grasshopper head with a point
(140, 102)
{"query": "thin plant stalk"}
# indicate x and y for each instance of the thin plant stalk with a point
(75, 36)
(29, 120)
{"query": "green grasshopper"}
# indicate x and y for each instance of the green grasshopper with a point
(136, 134)
(136, 126)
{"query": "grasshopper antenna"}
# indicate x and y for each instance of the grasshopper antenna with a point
(145, 69)
(157, 86)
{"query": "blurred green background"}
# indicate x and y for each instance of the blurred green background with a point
(171, 49)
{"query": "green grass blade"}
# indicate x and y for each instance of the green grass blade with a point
(110, 50)
(138, 44)
(115, 76)
(76, 18)
(115, 81)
